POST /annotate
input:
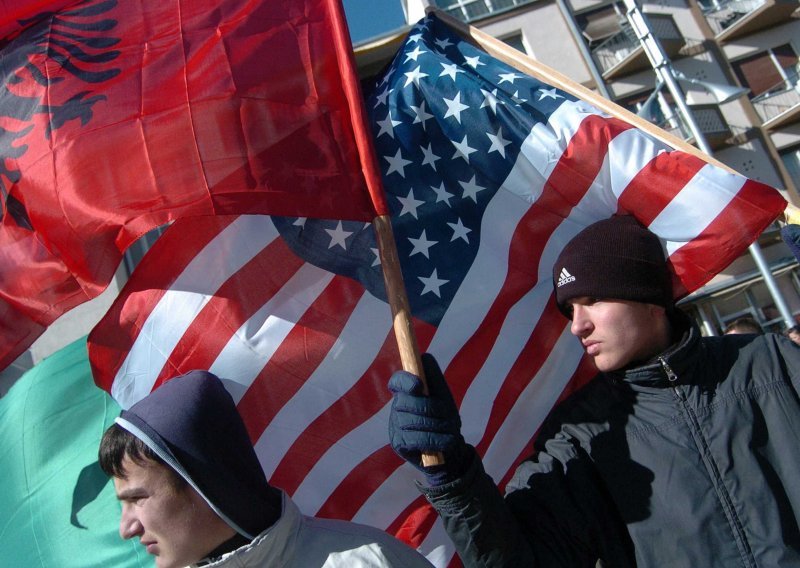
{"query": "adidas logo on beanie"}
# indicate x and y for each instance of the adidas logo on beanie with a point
(565, 278)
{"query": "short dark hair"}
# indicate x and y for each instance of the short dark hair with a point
(788, 330)
(744, 325)
(117, 444)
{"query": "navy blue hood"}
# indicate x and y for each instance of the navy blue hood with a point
(191, 422)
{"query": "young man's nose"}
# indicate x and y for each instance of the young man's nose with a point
(580, 322)
(129, 526)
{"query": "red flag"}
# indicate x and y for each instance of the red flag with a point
(489, 173)
(118, 117)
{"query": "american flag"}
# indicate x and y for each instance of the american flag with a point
(488, 174)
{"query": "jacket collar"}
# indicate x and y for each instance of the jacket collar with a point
(273, 547)
(669, 367)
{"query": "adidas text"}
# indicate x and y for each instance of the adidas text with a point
(565, 278)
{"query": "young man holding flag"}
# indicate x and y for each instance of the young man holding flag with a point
(682, 451)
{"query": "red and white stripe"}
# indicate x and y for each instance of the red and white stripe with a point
(307, 353)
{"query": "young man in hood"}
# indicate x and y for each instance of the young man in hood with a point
(193, 492)
(683, 451)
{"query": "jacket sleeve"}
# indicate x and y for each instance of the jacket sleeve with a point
(479, 522)
(550, 517)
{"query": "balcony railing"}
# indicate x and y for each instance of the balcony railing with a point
(723, 14)
(710, 121)
(781, 99)
(623, 52)
(616, 48)
(469, 10)
(733, 18)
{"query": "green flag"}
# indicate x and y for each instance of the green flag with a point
(57, 507)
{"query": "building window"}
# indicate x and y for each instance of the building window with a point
(773, 69)
(515, 41)
(468, 10)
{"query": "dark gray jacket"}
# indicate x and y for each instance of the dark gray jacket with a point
(692, 460)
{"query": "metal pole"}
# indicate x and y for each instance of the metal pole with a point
(772, 286)
(663, 67)
(707, 324)
(587, 55)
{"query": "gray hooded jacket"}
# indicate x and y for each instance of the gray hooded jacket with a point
(308, 542)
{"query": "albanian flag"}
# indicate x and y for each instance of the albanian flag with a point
(119, 117)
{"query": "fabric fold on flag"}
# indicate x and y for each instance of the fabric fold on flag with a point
(488, 174)
(120, 117)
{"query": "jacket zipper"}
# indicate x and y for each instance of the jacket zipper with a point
(671, 376)
(743, 545)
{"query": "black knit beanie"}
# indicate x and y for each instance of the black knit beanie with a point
(191, 422)
(616, 259)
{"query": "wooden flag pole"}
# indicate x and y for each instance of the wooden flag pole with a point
(398, 300)
(791, 215)
(392, 276)
(401, 312)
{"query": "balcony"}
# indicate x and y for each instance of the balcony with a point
(622, 53)
(779, 105)
(717, 132)
(731, 19)
(470, 10)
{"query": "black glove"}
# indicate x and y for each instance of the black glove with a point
(419, 423)
(791, 236)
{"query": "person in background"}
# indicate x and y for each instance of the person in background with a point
(793, 333)
(743, 325)
(193, 491)
(683, 450)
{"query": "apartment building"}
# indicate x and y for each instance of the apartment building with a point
(738, 66)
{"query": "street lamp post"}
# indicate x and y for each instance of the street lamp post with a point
(663, 68)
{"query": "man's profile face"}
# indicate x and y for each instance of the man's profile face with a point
(171, 520)
(615, 333)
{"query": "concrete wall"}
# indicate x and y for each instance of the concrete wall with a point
(772, 37)
(547, 37)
